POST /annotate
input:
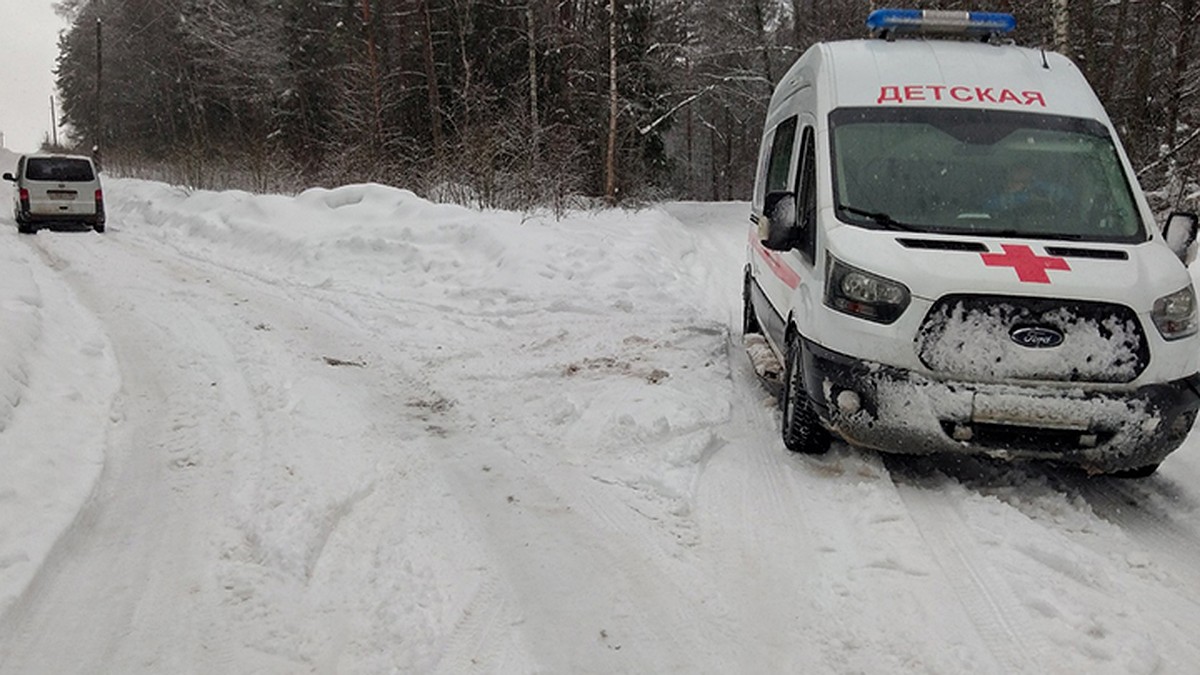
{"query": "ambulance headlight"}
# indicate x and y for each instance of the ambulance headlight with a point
(859, 293)
(1175, 314)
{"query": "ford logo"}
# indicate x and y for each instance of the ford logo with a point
(1036, 337)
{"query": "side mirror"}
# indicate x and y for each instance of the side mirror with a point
(1180, 233)
(777, 228)
(10, 178)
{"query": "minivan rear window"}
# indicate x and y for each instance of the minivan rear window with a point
(64, 169)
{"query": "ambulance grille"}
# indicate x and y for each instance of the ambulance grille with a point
(990, 338)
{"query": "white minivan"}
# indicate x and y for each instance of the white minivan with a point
(950, 252)
(54, 189)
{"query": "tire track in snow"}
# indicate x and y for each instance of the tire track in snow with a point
(1072, 542)
(756, 409)
(1133, 506)
(795, 540)
(88, 581)
(989, 601)
(362, 539)
(597, 597)
(228, 429)
(591, 541)
(746, 499)
(485, 634)
(598, 567)
(482, 639)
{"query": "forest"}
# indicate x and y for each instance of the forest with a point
(530, 103)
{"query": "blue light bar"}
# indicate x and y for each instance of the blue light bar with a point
(940, 21)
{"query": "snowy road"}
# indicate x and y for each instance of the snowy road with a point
(355, 432)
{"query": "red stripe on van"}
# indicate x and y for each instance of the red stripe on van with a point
(786, 274)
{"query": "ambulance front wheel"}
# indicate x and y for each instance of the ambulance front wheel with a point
(802, 429)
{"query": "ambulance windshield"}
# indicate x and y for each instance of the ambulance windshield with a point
(981, 172)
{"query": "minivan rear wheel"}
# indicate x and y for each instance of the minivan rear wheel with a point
(802, 428)
(26, 228)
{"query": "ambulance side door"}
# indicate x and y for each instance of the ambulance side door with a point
(770, 273)
(783, 275)
(803, 257)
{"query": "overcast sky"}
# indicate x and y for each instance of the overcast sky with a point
(29, 44)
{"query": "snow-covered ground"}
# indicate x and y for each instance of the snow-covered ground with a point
(357, 432)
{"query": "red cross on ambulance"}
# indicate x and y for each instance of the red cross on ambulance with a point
(1030, 267)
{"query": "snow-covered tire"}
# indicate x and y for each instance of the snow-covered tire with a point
(802, 429)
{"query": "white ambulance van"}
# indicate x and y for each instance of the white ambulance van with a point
(950, 253)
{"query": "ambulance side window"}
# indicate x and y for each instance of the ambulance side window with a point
(780, 161)
(806, 196)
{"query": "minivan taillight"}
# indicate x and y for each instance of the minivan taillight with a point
(99, 197)
(24, 197)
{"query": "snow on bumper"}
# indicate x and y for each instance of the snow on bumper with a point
(1102, 428)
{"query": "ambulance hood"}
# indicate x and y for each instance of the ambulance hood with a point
(935, 265)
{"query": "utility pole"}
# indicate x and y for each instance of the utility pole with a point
(99, 94)
(53, 123)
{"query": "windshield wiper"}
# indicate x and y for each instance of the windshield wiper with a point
(880, 218)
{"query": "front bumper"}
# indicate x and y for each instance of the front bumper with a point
(1102, 428)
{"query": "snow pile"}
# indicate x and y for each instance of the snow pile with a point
(20, 314)
(58, 382)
